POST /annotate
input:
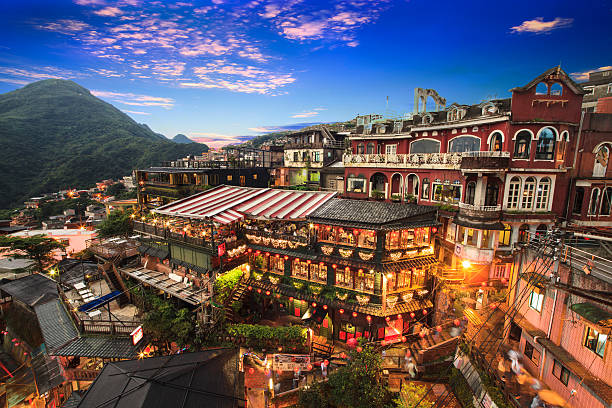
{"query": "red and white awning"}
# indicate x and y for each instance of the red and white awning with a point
(226, 204)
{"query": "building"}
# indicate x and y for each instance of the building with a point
(121, 205)
(597, 87)
(497, 171)
(313, 158)
(75, 239)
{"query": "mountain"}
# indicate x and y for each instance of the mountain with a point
(181, 138)
(54, 134)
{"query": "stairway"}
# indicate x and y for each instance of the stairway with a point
(114, 280)
(237, 294)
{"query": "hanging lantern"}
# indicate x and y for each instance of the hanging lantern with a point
(296, 369)
(249, 250)
(438, 329)
(324, 307)
(297, 259)
(434, 230)
(278, 295)
(277, 256)
(387, 318)
(457, 322)
(309, 262)
(334, 266)
(356, 231)
(286, 257)
(251, 370)
(257, 252)
(291, 298)
(347, 269)
(369, 318)
(341, 311)
(267, 254)
(360, 271)
(267, 293)
(408, 353)
(399, 316)
(354, 314)
(280, 349)
(250, 288)
(424, 312)
(404, 339)
(412, 315)
(314, 304)
(309, 367)
(258, 290)
(326, 362)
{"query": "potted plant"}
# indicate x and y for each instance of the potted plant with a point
(411, 198)
(378, 195)
(396, 197)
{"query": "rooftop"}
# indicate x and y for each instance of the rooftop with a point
(32, 289)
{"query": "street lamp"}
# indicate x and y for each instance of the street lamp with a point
(466, 264)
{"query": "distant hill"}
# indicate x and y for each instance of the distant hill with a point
(181, 138)
(54, 134)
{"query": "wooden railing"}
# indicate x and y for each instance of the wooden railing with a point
(75, 374)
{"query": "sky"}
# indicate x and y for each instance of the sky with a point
(221, 71)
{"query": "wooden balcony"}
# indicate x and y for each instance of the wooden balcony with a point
(447, 161)
(80, 374)
(485, 161)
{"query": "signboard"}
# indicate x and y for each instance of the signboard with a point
(136, 335)
(221, 249)
(289, 362)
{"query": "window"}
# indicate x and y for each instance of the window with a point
(528, 190)
(425, 189)
(532, 353)
(545, 147)
(464, 144)
(277, 265)
(446, 193)
(360, 148)
(344, 277)
(595, 341)
(542, 194)
(317, 156)
(364, 281)
(521, 145)
(451, 231)
(578, 199)
(536, 299)
(560, 372)
(609, 88)
(496, 142)
(229, 177)
(391, 149)
(425, 146)
(489, 109)
(367, 129)
(542, 89)
(470, 191)
(327, 233)
(485, 240)
(588, 90)
(513, 193)
(593, 202)
(524, 233)
(562, 147)
(299, 269)
(381, 129)
(254, 176)
(397, 127)
(606, 201)
(455, 114)
(601, 161)
(318, 272)
(556, 89)
(370, 148)
(296, 156)
(504, 235)
(356, 185)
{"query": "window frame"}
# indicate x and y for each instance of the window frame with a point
(564, 373)
(530, 351)
(539, 303)
(523, 137)
(585, 342)
(514, 193)
(425, 141)
(545, 146)
(543, 193)
(593, 204)
(528, 193)
(454, 140)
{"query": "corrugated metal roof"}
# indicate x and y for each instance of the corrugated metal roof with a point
(55, 324)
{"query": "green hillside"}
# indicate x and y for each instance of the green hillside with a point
(54, 135)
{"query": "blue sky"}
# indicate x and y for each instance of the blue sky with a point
(215, 70)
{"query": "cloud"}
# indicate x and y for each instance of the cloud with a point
(15, 81)
(90, 2)
(215, 140)
(136, 112)
(584, 76)
(135, 99)
(283, 128)
(108, 73)
(38, 73)
(539, 26)
(65, 26)
(109, 12)
(305, 114)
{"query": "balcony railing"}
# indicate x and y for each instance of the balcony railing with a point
(486, 154)
(424, 160)
(483, 208)
(160, 231)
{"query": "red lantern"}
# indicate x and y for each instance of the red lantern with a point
(341, 311)
(408, 353)
(321, 263)
(258, 290)
(457, 322)
(347, 269)
(277, 256)
(325, 363)
(257, 252)
(356, 232)
(404, 339)
(297, 259)
(324, 307)
(438, 329)
(424, 312)
(251, 370)
(286, 257)
(422, 334)
(296, 369)
(399, 316)
(412, 315)
(309, 262)
(359, 349)
(334, 266)
(249, 250)
(280, 349)
(291, 298)
(484, 284)
(314, 304)
(278, 295)
(434, 230)
(279, 372)
(387, 318)
(360, 271)
(267, 293)
(369, 318)
(309, 367)
(354, 314)
(267, 254)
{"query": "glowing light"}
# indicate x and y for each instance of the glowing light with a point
(369, 318)
(466, 264)
(354, 314)
(341, 311)
(389, 275)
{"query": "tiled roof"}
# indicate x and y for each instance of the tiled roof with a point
(55, 324)
(376, 213)
(576, 88)
(73, 401)
(102, 347)
(31, 289)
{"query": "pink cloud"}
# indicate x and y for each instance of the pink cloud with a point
(108, 12)
(539, 26)
(584, 75)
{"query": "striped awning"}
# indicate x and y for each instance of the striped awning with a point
(227, 204)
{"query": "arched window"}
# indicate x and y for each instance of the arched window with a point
(524, 233)
(542, 89)
(464, 144)
(606, 201)
(370, 148)
(513, 193)
(602, 157)
(528, 190)
(521, 145)
(556, 89)
(470, 191)
(578, 200)
(594, 199)
(489, 109)
(545, 148)
(491, 194)
(562, 146)
(425, 189)
(542, 194)
(360, 148)
(427, 119)
(425, 146)
(541, 230)
(505, 235)
(496, 142)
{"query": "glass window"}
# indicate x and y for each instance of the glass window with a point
(296, 156)
(360, 148)
(391, 149)
(504, 235)
(496, 142)
(299, 269)
(542, 89)
(578, 199)
(425, 146)
(593, 202)
(327, 233)
(543, 194)
(344, 277)
(601, 162)
(470, 191)
(528, 190)
(606, 201)
(485, 241)
(317, 156)
(364, 281)
(536, 299)
(521, 145)
(446, 193)
(370, 148)
(393, 240)
(532, 353)
(356, 185)
(318, 272)
(556, 89)
(346, 237)
(425, 189)
(421, 236)
(464, 144)
(545, 147)
(595, 341)
(277, 265)
(524, 233)
(561, 148)
(561, 372)
(513, 193)
(366, 238)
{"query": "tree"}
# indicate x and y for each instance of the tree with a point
(118, 223)
(410, 396)
(115, 189)
(39, 248)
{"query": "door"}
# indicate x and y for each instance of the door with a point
(242, 180)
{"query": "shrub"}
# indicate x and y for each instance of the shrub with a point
(225, 284)
(259, 336)
(461, 388)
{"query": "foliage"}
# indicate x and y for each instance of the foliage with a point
(378, 194)
(447, 207)
(8, 214)
(396, 197)
(39, 248)
(57, 207)
(54, 134)
(412, 395)
(260, 337)
(461, 388)
(115, 189)
(315, 396)
(411, 198)
(118, 223)
(225, 284)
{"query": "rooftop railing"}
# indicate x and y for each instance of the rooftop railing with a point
(423, 160)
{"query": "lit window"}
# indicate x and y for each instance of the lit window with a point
(561, 372)
(524, 233)
(425, 146)
(521, 145)
(504, 235)
(254, 176)
(229, 177)
(535, 300)
(532, 353)
(496, 142)
(356, 185)
(543, 194)
(595, 341)
(528, 190)
(545, 147)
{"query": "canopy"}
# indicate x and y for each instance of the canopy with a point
(595, 315)
(226, 204)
